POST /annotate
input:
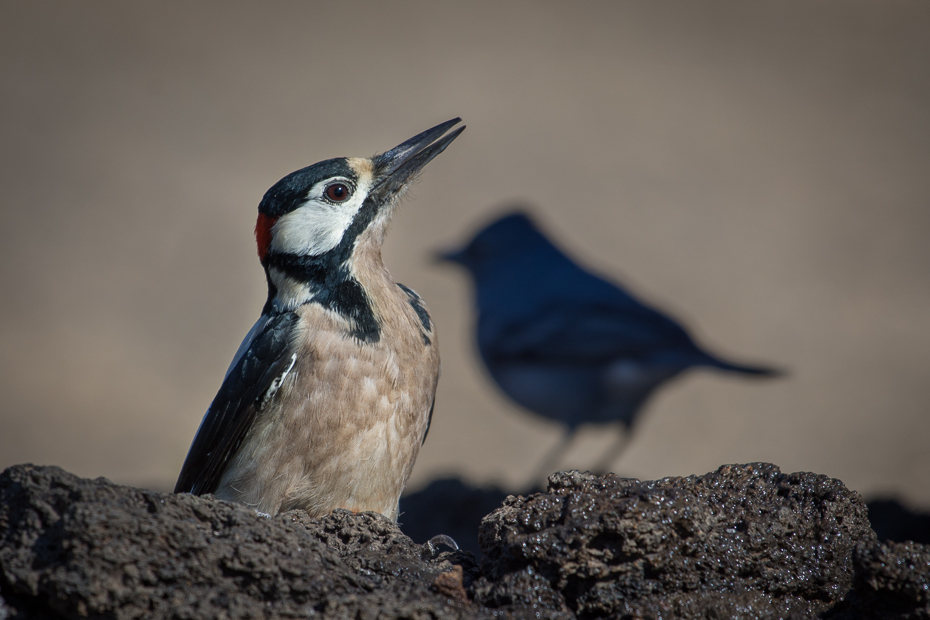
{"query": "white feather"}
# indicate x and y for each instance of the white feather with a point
(276, 384)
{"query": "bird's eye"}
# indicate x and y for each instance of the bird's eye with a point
(337, 192)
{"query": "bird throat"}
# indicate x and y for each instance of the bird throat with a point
(294, 280)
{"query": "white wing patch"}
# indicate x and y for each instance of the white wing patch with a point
(276, 384)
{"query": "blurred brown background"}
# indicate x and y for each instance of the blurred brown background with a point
(760, 170)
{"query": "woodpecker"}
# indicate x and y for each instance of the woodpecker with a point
(566, 344)
(330, 395)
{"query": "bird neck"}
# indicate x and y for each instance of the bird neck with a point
(339, 286)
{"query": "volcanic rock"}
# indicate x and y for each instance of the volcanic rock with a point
(745, 541)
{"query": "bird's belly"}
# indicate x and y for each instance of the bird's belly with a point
(344, 432)
(285, 465)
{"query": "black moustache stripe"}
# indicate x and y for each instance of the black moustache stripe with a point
(333, 287)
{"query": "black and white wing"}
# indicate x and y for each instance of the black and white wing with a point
(264, 358)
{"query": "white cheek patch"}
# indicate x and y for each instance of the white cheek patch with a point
(317, 226)
(311, 229)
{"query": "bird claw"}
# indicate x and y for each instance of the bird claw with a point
(440, 539)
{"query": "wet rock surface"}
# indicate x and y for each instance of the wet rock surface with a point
(744, 541)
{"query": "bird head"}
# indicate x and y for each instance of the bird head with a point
(512, 240)
(514, 267)
(315, 224)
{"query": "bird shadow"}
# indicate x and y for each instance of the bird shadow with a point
(896, 522)
(567, 344)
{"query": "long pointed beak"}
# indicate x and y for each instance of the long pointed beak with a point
(449, 256)
(397, 166)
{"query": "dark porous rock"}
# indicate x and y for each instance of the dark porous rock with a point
(893, 580)
(77, 548)
(745, 541)
(742, 542)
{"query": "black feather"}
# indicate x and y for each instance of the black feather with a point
(429, 420)
(236, 405)
(416, 302)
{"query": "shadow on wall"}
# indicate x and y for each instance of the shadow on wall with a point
(567, 344)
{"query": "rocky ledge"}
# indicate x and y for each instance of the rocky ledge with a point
(745, 541)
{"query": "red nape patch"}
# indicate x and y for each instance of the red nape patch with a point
(263, 234)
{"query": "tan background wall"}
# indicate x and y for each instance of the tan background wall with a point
(761, 170)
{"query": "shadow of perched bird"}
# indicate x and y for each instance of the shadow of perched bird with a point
(565, 343)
